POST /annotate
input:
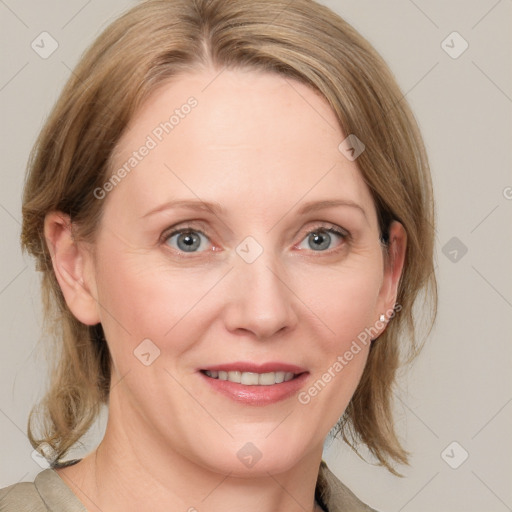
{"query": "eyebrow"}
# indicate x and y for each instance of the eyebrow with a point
(313, 206)
(189, 204)
(216, 208)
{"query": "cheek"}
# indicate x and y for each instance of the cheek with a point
(344, 303)
(143, 298)
(343, 298)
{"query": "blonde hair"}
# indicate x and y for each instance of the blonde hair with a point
(161, 39)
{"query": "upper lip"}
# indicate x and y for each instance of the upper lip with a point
(243, 366)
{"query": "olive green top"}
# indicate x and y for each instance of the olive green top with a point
(50, 492)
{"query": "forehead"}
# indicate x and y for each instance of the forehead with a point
(236, 137)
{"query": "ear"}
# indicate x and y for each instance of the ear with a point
(73, 267)
(393, 266)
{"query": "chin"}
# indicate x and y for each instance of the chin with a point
(257, 456)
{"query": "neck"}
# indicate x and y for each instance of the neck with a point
(129, 471)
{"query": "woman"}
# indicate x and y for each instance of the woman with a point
(232, 211)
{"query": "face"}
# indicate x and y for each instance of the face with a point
(243, 241)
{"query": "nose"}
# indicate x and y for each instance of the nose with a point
(260, 299)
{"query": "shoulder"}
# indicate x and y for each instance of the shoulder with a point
(47, 492)
(335, 495)
(21, 496)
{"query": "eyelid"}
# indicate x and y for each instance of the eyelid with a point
(327, 226)
(190, 225)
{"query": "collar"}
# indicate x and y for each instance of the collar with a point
(334, 496)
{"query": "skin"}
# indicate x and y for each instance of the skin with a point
(261, 149)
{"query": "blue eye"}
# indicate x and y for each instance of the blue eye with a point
(190, 240)
(320, 239)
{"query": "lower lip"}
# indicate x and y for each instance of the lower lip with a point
(257, 395)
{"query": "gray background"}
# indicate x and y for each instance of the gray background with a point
(459, 389)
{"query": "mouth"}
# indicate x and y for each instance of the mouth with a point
(253, 384)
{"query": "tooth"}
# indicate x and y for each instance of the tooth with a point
(234, 376)
(266, 379)
(249, 378)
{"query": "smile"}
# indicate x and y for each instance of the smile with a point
(251, 378)
(254, 384)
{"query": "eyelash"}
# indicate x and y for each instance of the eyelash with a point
(322, 228)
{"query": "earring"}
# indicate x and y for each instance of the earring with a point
(382, 318)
